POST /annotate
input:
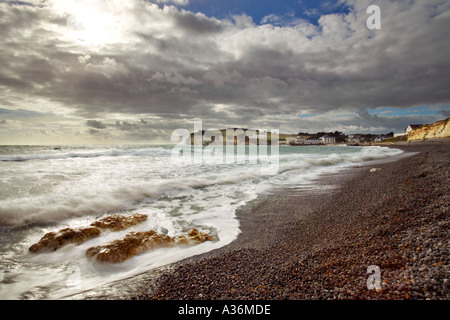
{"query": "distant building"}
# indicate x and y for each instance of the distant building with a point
(412, 127)
(353, 139)
(297, 141)
(328, 140)
(396, 135)
(313, 141)
(303, 140)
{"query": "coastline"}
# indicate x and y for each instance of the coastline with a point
(318, 244)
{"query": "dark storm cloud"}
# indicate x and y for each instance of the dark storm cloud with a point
(95, 124)
(445, 113)
(125, 126)
(365, 119)
(93, 131)
(175, 65)
(197, 23)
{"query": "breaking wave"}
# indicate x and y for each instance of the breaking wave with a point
(49, 208)
(148, 152)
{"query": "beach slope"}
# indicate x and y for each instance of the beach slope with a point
(382, 233)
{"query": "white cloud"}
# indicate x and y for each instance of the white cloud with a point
(107, 67)
(92, 59)
(84, 59)
(177, 2)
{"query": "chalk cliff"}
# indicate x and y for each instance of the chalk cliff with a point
(439, 129)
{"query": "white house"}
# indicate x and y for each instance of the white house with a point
(328, 140)
(400, 134)
(412, 127)
(313, 141)
(353, 139)
(297, 141)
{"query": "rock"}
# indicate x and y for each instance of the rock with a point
(54, 240)
(193, 237)
(133, 244)
(374, 169)
(119, 222)
(198, 236)
(434, 282)
(136, 243)
(182, 240)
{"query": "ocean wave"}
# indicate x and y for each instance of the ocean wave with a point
(49, 208)
(45, 209)
(147, 152)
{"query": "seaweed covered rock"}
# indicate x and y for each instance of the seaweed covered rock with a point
(119, 222)
(54, 240)
(136, 243)
(133, 244)
(193, 237)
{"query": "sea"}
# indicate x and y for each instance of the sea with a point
(48, 188)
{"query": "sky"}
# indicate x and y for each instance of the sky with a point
(110, 71)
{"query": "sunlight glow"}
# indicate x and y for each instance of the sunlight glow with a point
(90, 22)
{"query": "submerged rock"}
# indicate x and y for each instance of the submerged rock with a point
(133, 244)
(54, 240)
(119, 222)
(136, 243)
(193, 237)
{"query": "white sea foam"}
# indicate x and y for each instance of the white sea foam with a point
(148, 152)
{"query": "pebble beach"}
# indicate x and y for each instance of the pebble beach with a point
(320, 244)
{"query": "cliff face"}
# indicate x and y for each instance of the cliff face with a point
(440, 129)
